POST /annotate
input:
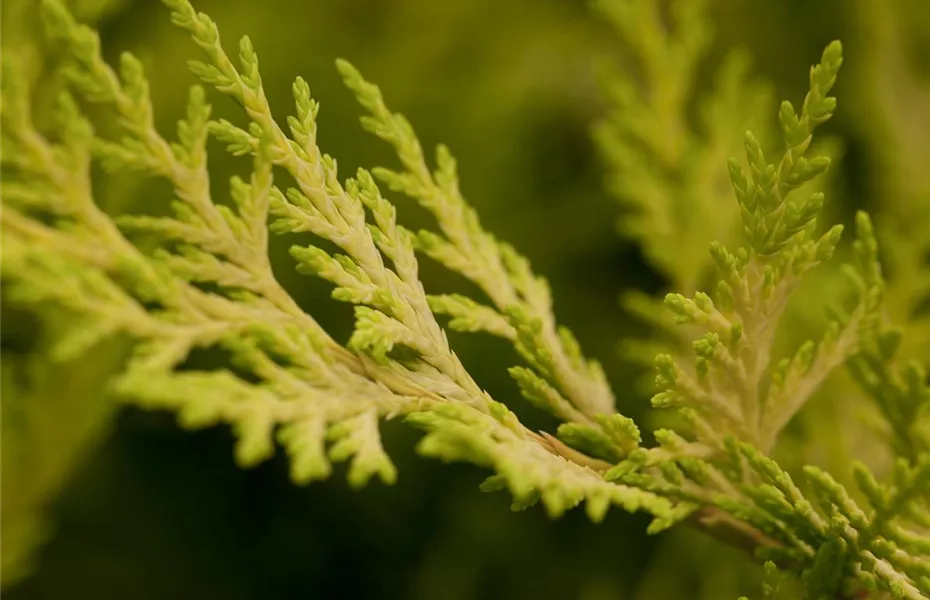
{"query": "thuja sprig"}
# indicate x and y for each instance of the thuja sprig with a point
(734, 399)
(816, 529)
(734, 384)
(210, 285)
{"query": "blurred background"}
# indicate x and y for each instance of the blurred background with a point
(103, 501)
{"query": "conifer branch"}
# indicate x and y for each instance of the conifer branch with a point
(286, 380)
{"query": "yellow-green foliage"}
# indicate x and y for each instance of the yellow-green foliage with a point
(288, 382)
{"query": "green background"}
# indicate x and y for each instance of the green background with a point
(152, 511)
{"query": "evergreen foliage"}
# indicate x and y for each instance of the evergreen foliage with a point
(289, 383)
